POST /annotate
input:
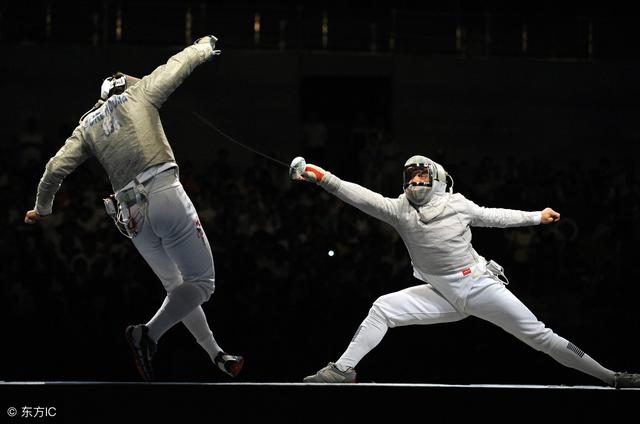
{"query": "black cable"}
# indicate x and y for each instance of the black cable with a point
(228, 137)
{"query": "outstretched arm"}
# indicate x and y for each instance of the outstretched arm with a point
(67, 159)
(367, 201)
(503, 218)
(164, 80)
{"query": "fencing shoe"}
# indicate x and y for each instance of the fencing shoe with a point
(331, 374)
(625, 380)
(143, 349)
(229, 364)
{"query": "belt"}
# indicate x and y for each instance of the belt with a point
(148, 173)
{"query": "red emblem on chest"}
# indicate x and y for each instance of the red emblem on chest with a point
(466, 271)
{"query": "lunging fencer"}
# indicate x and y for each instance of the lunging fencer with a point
(150, 206)
(435, 226)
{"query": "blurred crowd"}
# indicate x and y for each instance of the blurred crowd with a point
(73, 283)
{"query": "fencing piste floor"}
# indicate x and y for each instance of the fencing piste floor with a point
(113, 402)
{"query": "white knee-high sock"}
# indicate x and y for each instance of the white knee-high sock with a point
(176, 306)
(197, 324)
(368, 336)
(571, 356)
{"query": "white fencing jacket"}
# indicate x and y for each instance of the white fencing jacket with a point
(438, 234)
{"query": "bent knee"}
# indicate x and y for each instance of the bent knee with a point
(205, 286)
(379, 311)
(170, 286)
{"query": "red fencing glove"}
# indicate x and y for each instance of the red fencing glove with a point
(313, 173)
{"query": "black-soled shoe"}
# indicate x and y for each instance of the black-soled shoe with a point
(143, 349)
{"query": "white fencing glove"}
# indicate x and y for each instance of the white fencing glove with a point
(211, 39)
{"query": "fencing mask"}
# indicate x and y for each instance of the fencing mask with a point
(423, 177)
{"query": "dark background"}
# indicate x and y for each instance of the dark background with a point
(526, 107)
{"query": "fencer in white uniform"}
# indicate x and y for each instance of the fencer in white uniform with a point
(457, 282)
(124, 132)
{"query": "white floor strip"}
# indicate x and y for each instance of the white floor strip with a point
(355, 386)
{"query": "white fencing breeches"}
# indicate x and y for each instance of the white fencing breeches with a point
(487, 299)
(173, 242)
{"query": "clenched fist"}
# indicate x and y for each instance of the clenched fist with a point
(549, 216)
(312, 173)
(31, 217)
